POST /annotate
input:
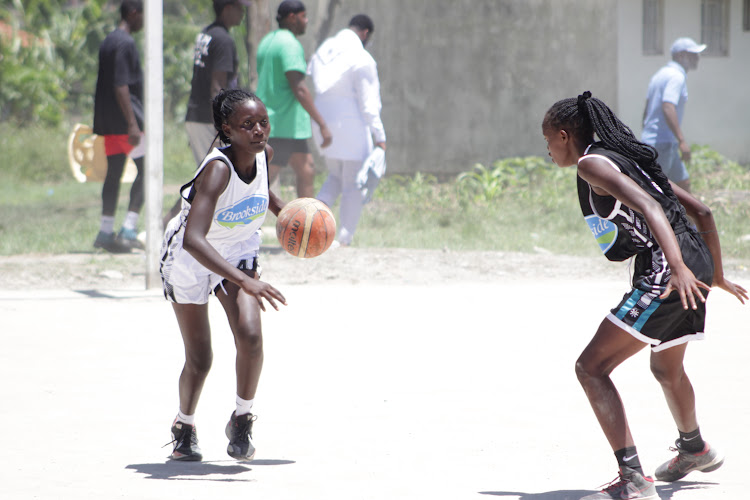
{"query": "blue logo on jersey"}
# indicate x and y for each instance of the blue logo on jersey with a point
(243, 212)
(604, 231)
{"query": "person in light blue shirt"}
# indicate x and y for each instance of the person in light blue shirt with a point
(665, 107)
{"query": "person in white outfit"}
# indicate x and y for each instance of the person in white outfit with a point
(345, 78)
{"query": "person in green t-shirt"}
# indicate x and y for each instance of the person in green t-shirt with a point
(281, 86)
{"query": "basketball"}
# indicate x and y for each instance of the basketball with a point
(305, 227)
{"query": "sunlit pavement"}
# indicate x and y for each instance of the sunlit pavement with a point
(368, 392)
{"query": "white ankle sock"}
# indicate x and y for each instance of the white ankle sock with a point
(107, 224)
(244, 406)
(131, 221)
(185, 419)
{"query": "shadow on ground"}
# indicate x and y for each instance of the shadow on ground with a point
(225, 471)
(665, 492)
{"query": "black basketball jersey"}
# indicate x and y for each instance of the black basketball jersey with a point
(214, 51)
(623, 233)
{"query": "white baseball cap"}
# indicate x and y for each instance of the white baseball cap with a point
(686, 44)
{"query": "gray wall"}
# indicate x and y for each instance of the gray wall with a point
(467, 81)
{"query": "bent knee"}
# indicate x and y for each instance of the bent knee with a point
(249, 341)
(667, 375)
(199, 362)
(586, 369)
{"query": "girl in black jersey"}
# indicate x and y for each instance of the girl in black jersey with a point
(634, 211)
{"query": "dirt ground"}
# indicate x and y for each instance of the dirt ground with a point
(354, 265)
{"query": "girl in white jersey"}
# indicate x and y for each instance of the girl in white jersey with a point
(634, 211)
(211, 246)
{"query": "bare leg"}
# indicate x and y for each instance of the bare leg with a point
(304, 168)
(607, 350)
(196, 334)
(667, 366)
(243, 314)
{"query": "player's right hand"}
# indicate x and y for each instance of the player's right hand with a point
(134, 135)
(327, 137)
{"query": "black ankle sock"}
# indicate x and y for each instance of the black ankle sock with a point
(629, 457)
(691, 441)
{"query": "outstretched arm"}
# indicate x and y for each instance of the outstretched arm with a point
(704, 220)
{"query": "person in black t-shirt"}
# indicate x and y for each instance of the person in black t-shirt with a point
(118, 117)
(215, 66)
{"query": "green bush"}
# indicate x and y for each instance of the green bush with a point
(710, 170)
(55, 76)
(32, 87)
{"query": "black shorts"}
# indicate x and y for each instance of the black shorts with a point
(283, 149)
(664, 323)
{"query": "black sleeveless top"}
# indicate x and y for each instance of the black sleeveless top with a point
(622, 232)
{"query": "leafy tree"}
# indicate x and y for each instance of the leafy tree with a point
(55, 76)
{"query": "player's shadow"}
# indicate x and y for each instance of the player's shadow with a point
(203, 471)
(665, 492)
(548, 495)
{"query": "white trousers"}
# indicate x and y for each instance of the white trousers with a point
(342, 181)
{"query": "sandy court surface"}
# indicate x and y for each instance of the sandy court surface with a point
(446, 376)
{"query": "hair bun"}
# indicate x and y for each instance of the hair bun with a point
(584, 97)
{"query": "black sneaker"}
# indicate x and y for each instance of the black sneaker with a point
(185, 441)
(108, 242)
(240, 433)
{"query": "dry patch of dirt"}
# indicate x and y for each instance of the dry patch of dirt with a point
(393, 266)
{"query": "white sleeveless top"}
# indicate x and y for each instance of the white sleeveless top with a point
(240, 209)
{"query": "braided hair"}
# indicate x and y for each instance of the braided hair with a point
(224, 104)
(585, 115)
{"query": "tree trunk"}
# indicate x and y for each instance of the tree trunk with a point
(258, 23)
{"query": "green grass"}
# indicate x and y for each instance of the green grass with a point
(515, 204)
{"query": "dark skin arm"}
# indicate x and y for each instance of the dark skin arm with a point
(606, 181)
(209, 184)
(704, 220)
(218, 81)
(275, 204)
(299, 89)
(122, 94)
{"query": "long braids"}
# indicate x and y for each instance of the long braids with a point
(585, 115)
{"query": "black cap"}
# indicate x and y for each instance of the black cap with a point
(289, 7)
(220, 4)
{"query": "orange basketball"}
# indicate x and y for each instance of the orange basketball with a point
(305, 227)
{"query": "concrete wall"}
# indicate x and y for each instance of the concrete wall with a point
(719, 101)
(466, 81)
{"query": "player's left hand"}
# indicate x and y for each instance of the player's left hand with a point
(733, 288)
(684, 282)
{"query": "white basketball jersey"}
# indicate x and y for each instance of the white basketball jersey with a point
(241, 208)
